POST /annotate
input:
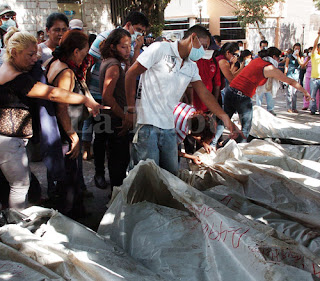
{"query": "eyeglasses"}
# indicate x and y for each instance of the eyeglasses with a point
(7, 17)
(236, 55)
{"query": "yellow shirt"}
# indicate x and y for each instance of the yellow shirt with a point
(315, 65)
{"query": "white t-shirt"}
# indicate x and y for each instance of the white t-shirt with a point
(163, 83)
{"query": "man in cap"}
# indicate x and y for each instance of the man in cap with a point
(76, 24)
(7, 19)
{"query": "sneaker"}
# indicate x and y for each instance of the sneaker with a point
(273, 113)
(289, 110)
(312, 113)
(304, 108)
(295, 111)
(100, 181)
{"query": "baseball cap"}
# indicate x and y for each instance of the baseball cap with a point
(76, 24)
(5, 8)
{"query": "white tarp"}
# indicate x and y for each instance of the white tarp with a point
(251, 212)
(229, 227)
(265, 125)
(62, 249)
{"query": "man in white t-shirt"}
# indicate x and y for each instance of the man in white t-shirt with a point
(166, 69)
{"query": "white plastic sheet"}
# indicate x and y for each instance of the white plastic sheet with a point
(182, 233)
(265, 125)
(62, 249)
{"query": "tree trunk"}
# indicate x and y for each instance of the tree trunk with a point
(259, 31)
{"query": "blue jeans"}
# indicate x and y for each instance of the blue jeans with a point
(87, 129)
(314, 87)
(157, 144)
(269, 100)
(235, 101)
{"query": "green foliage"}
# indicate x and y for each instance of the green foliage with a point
(254, 11)
(317, 4)
(153, 9)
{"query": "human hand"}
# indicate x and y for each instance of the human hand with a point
(308, 97)
(196, 160)
(207, 147)
(139, 42)
(95, 107)
(75, 146)
(127, 123)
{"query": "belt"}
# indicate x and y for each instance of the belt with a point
(237, 92)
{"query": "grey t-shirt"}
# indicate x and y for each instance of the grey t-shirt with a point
(119, 91)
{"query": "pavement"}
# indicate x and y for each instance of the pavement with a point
(96, 205)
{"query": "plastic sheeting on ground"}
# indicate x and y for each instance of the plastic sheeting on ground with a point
(46, 245)
(250, 212)
(265, 125)
(241, 220)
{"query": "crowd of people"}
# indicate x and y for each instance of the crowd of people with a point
(130, 98)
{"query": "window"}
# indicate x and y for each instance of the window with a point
(230, 29)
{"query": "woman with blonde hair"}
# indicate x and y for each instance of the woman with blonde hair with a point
(16, 87)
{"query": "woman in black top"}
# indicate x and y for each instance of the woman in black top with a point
(16, 87)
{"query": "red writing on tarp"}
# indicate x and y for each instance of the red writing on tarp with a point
(221, 233)
(231, 202)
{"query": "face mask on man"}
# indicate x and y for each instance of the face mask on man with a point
(196, 54)
(246, 62)
(241, 49)
(208, 54)
(135, 35)
(8, 23)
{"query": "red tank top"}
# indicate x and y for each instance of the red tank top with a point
(250, 77)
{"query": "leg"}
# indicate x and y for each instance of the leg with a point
(168, 151)
(101, 127)
(294, 99)
(259, 98)
(313, 92)
(307, 87)
(146, 145)
(289, 98)
(270, 101)
(87, 132)
(15, 167)
(118, 154)
(245, 113)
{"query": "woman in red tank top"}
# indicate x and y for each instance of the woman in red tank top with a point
(243, 87)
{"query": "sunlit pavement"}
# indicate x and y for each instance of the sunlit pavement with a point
(96, 205)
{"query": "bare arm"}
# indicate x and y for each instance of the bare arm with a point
(286, 66)
(315, 44)
(271, 72)
(110, 81)
(130, 84)
(43, 91)
(65, 80)
(226, 70)
(209, 100)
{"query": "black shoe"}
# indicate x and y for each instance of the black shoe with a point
(100, 181)
(312, 113)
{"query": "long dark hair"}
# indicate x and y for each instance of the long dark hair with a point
(270, 52)
(70, 41)
(232, 47)
(114, 39)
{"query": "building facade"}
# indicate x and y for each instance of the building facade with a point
(32, 14)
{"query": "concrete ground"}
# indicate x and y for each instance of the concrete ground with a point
(96, 205)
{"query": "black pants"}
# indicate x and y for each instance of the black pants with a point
(106, 129)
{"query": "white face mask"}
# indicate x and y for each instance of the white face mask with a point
(241, 49)
(208, 54)
(246, 62)
(135, 35)
(309, 54)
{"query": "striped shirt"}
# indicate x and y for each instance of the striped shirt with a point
(181, 114)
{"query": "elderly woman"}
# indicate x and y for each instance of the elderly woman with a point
(16, 87)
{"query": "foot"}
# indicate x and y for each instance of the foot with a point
(289, 110)
(305, 108)
(312, 113)
(295, 111)
(100, 181)
(87, 155)
(273, 113)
